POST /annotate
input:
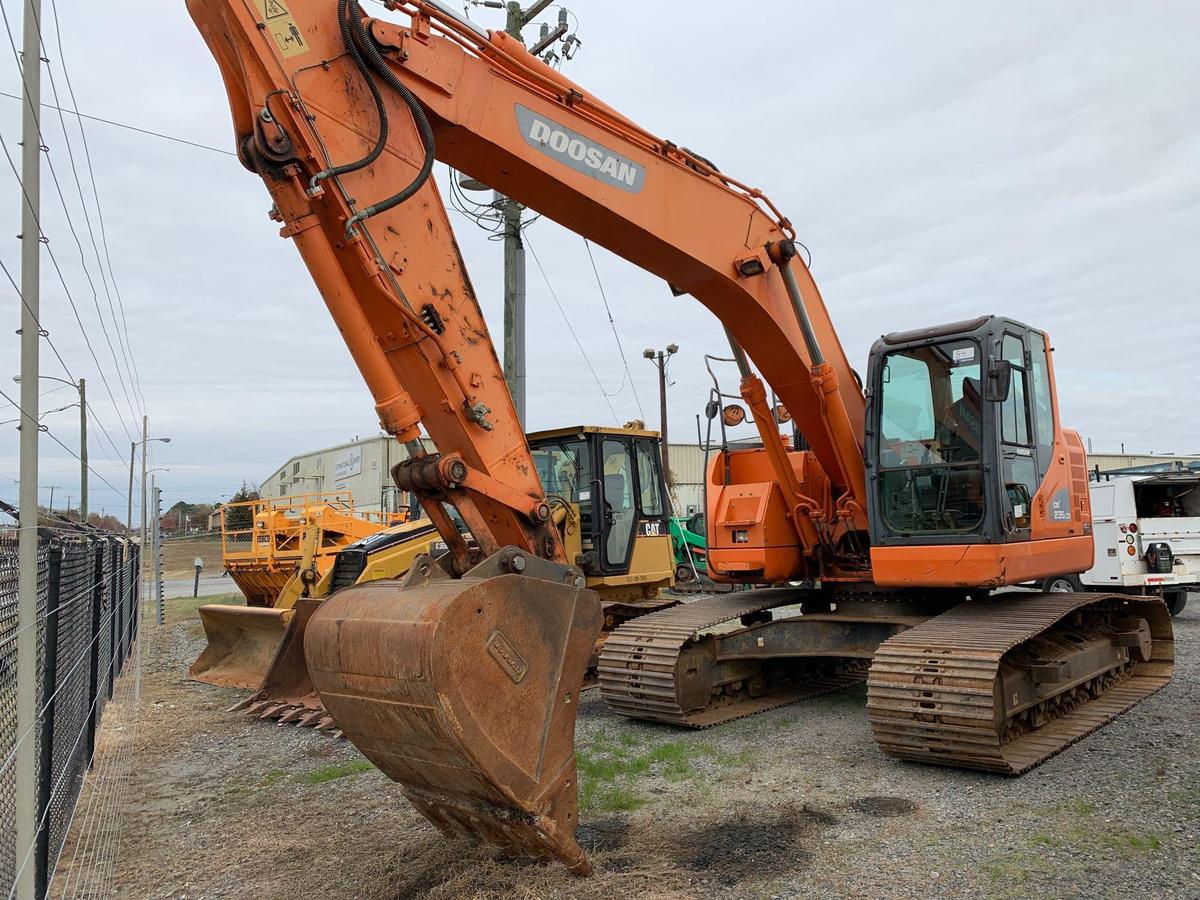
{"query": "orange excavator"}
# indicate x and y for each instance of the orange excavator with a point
(943, 476)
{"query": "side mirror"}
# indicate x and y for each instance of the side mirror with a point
(711, 409)
(999, 380)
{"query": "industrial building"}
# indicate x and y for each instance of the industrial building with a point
(361, 467)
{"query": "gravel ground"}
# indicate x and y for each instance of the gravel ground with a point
(794, 802)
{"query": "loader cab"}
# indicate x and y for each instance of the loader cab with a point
(963, 445)
(614, 479)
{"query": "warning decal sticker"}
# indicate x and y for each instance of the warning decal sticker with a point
(282, 27)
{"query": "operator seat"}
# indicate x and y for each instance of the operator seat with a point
(964, 424)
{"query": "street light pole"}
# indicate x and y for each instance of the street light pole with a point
(83, 452)
(659, 358)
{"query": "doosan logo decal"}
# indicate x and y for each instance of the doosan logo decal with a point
(579, 152)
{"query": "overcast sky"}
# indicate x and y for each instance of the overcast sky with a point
(941, 160)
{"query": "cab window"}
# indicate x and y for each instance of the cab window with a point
(1014, 412)
(932, 428)
(1043, 412)
(651, 496)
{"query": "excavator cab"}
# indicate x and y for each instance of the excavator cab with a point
(611, 485)
(972, 481)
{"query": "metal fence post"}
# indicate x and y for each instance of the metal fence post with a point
(114, 594)
(41, 855)
(97, 600)
(157, 547)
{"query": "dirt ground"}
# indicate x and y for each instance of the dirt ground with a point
(794, 802)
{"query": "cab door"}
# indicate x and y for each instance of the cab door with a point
(1017, 439)
(619, 510)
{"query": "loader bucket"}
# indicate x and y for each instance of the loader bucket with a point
(464, 691)
(242, 641)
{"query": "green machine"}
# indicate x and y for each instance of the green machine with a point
(690, 544)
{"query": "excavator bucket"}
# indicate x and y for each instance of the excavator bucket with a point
(242, 641)
(464, 691)
(286, 692)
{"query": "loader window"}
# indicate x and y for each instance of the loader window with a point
(932, 435)
(647, 465)
(620, 512)
(564, 469)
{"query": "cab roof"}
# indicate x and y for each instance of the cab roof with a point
(580, 430)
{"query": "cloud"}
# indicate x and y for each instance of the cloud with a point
(940, 160)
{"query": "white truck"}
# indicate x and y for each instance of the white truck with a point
(1147, 534)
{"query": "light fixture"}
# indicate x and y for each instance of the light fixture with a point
(733, 415)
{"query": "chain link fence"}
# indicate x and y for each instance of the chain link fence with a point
(87, 622)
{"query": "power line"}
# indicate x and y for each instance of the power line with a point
(612, 323)
(127, 127)
(70, 299)
(62, 61)
(570, 328)
(38, 425)
(66, 209)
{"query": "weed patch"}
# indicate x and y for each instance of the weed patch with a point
(331, 773)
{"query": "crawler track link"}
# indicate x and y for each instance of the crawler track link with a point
(933, 692)
(641, 677)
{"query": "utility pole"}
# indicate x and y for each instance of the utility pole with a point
(27, 551)
(52, 487)
(83, 463)
(659, 358)
(514, 271)
(514, 247)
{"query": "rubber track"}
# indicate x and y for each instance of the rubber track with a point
(931, 691)
(638, 664)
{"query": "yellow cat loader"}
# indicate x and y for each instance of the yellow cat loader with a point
(607, 496)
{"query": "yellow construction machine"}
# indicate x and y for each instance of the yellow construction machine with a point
(275, 550)
(608, 500)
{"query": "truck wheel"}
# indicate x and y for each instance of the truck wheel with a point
(1175, 600)
(1062, 584)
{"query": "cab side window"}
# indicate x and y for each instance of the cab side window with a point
(1014, 413)
(647, 471)
(1043, 412)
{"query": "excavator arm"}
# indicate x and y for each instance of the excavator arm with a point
(316, 88)
(460, 681)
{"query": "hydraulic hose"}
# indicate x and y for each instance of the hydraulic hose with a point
(366, 46)
(344, 12)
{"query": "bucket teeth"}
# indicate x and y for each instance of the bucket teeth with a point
(311, 718)
(293, 714)
(245, 702)
(272, 710)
